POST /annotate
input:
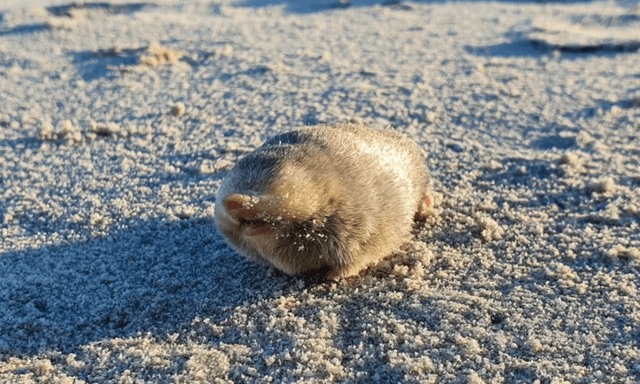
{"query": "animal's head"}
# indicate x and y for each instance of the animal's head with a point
(289, 223)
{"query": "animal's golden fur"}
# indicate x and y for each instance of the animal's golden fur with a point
(339, 196)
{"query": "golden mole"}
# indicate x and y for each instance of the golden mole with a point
(339, 196)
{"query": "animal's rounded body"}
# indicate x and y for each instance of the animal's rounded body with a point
(330, 196)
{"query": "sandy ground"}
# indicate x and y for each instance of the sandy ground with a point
(119, 120)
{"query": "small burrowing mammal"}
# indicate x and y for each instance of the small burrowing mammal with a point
(337, 197)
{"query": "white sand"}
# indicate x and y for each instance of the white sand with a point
(111, 153)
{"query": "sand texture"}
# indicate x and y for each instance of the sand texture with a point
(119, 120)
